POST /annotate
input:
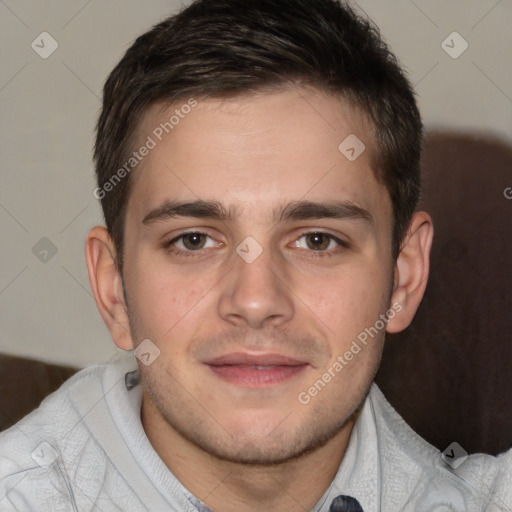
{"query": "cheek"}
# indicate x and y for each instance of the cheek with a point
(347, 299)
(162, 299)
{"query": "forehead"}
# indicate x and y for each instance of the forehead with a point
(256, 149)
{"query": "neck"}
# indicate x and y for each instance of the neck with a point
(297, 484)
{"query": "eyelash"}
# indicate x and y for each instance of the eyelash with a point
(342, 245)
(181, 252)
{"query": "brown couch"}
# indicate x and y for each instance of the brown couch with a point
(449, 374)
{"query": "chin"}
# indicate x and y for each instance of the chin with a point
(256, 439)
(255, 450)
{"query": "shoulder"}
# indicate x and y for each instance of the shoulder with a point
(412, 466)
(52, 420)
(39, 452)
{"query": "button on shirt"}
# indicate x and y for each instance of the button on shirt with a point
(85, 447)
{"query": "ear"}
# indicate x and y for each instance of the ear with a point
(106, 285)
(411, 271)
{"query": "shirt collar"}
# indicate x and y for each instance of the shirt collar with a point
(359, 474)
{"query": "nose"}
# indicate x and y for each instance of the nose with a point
(256, 293)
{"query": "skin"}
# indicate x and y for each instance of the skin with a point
(234, 447)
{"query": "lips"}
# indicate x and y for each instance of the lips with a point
(255, 370)
(246, 359)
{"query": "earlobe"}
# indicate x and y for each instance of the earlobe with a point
(107, 286)
(411, 271)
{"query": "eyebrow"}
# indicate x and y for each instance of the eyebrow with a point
(200, 209)
(304, 210)
(297, 210)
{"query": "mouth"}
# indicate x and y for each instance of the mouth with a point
(256, 370)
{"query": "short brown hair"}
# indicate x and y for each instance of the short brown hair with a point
(218, 48)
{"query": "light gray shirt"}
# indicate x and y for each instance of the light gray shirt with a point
(85, 447)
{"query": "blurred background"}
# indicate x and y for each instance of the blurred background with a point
(55, 58)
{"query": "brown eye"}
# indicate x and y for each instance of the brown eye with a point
(318, 241)
(191, 242)
(194, 241)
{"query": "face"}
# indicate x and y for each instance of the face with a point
(255, 255)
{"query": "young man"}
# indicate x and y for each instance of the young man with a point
(258, 168)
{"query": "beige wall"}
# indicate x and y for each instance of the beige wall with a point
(49, 108)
